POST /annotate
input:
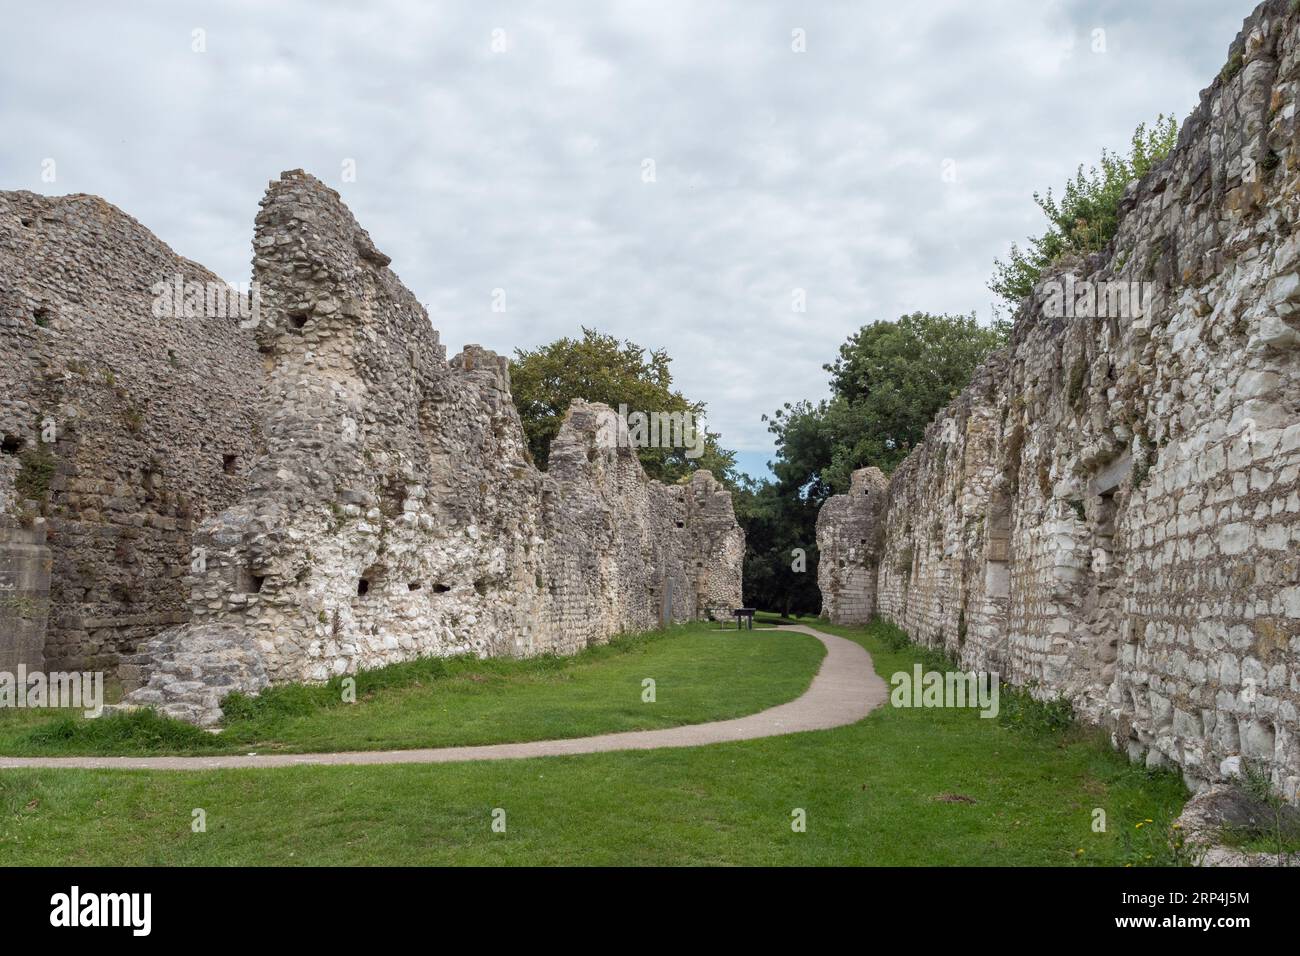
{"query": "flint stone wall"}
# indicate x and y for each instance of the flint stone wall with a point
(317, 490)
(1111, 510)
(24, 593)
(119, 429)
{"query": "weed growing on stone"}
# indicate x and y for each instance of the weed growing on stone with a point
(1279, 833)
(37, 465)
(1021, 710)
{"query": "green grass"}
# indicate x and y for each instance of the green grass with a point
(772, 618)
(904, 787)
(700, 674)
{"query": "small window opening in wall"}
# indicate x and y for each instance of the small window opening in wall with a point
(681, 524)
(1104, 532)
(363, 587)
(228, 463)
(297, 320)
(441, 589)
(1106, 511)
(255, 583)
(413, 586)
(11, 444)
(42, 317)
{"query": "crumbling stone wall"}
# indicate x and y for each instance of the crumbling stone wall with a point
(848, 566)
(119, 428)
(314, 489)
(1111, 510)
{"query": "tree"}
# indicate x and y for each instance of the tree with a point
(1084, 220)
(600, 368)
(888, 383)
(777, 541)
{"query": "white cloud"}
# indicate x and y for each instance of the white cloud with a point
(776, 170)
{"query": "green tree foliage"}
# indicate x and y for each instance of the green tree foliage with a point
(1086, 216)
(600, 368)
(888, 383)
(776, 523)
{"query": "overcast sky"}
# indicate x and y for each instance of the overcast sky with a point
(524, 168)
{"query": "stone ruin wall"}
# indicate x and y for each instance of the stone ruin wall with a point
(153, 422)
(381, 504)
(847, 567)
(1111, 510)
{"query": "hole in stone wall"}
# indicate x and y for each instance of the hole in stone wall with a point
(297, 320)
(413, 586)
(681, 524)
(1106, 511)
(229, 463)
(149, 481)
(26, 222)
(481, 586)
(42, 316)
(440, 589)
(363, 587)
(11, 444)
(255, 583)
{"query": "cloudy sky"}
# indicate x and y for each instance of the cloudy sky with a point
(508, 146)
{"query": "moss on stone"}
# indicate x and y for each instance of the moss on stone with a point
(35, 473)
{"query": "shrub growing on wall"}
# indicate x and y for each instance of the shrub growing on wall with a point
(1086, 216)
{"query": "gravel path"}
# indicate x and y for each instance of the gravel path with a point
(844, 691)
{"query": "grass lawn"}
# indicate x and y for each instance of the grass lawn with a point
(700, 674)
(910, 787)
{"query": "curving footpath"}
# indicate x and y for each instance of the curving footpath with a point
(844, 691)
